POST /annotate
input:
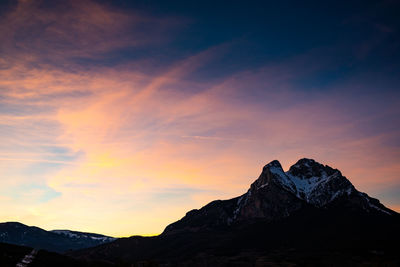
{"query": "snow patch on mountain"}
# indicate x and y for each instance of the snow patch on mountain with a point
(372, 205)
(318, 189)
(80, 235)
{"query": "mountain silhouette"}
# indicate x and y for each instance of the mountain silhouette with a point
(56, 240)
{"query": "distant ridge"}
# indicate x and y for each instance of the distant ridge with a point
(57, 240)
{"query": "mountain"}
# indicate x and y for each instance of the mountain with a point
(277, 194)
(308, 215)
(56, 240)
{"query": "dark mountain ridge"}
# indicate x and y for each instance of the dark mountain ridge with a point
(57, 240)
(310, 210)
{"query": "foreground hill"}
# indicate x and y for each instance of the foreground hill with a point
(10, 255)
(56, 240)
(309, 215)
(13, 255)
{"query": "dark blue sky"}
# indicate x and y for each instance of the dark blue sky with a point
(350, 36)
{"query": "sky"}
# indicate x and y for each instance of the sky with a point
(118, 117)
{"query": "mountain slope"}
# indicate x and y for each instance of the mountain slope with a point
(57, 240)
(309, 210)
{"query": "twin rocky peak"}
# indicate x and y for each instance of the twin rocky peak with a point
(277, 194)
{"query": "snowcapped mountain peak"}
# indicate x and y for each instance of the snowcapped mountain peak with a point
(308, 180)
(276, 194)
(273, 164)
(267, 174)
(308, 168)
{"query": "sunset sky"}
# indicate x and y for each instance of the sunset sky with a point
(119, 117)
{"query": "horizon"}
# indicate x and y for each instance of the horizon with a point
(117, 118)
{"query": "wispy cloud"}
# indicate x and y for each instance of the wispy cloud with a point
(56, 34)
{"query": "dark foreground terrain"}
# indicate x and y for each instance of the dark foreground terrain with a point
(11, 255)
(384, 256)
(302, 240)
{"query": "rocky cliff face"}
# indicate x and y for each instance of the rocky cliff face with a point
(276, 194)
